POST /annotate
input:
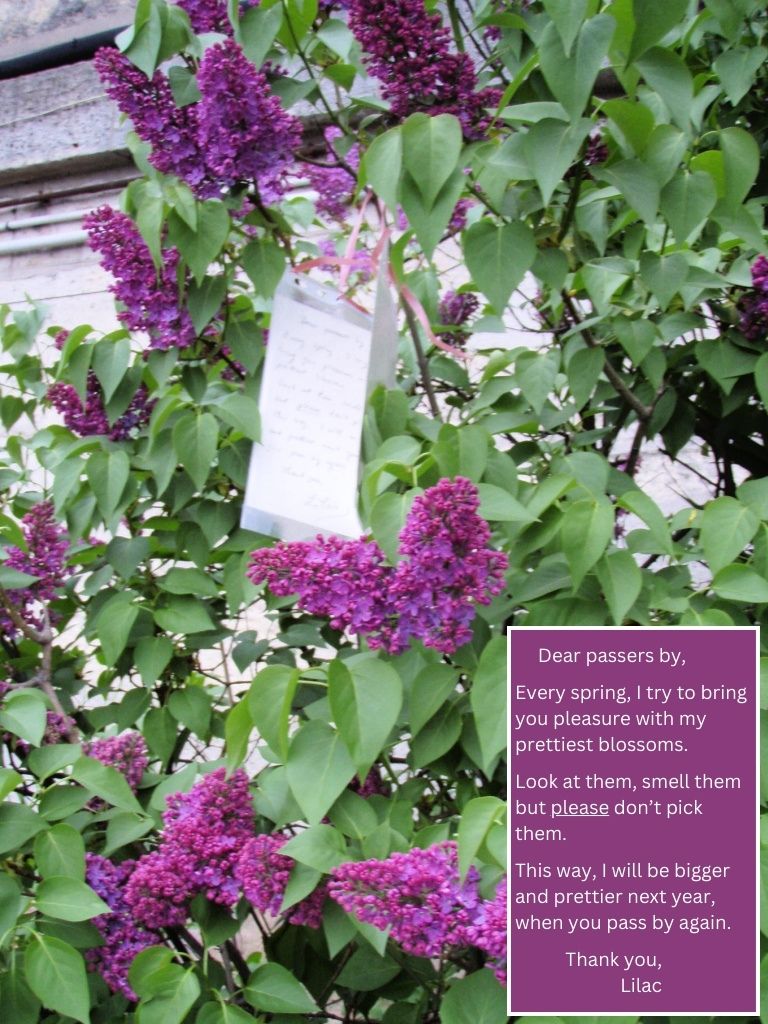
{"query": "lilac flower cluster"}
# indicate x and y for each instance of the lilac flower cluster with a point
(242, 127)
(58, 727)
(151, 303)
(456, 308)
(122, 937)
(446, 569)
(334, 185)
(45, 558)
(171, 131)
(263, 872)
(90, 418)
(754, 315)
(211, 15)
(237, 131)
(199, 848)
(373, 785)
(416, 895)
(489, 931)
(126, 752)
(409, 51)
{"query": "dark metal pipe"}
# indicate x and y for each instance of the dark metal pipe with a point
(71, 52)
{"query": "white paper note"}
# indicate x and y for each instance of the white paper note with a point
(321, 363)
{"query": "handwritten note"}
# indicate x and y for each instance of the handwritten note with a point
(318, 371)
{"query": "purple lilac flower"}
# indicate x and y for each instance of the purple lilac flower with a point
(446, 568)
(211, 15)
(126, 752)
(416, 895)
(151, 304)
(373, 785)
(409, 51)
(242, 127)
(458, 219)
(45, 558)
(754, 305)
(334, 185)
(171, 131)
(597, 151)
(204, 832)
(456, 308)
(58, 727)
(263, 872)
(489, 931)
(123, 937)
(90, 419)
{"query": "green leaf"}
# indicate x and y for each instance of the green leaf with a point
(727, 527)
(109, 362)
(475, 999)
(320, 847)
(686, 202)
(462, 451)
(741, 583)
(430, 222)
(114, 623)
(667, 73)
(60, 851)
(318, 768)
(24, 714)
(9, 780)
(737, 69)
(169, 996)
(381, 166)
(126, 553)
(584, 371)
(108, 474)
(238, 726)
(274, 989)
(269, 702)
(11, 905)
(387, 520)
(634, 121)
(438, 736)
(621, 582)
(106, 782)
(663, 275)
(498, 258)
(264, 262)
(586, 530)
(653, 21)
(476, 819)
(223, 1013)
(431, 151)
(19, 1004)
(488, 700)
(195, 438)
(567, 17)
(365, 696)
(184, 615)
(192, 707)
(497, 505)
(536, 373)
(645, 508)
(550, 148)
(741, 160)
(13, 579)
(205, 299)
(125, 828)
(68, 899)
(151, 656)
(258, 29)
(366, 970)
(56, 974)
(242, 413)
(638, 184)
(429, 691)
(18, 823)
(200, 248)
(571, 77)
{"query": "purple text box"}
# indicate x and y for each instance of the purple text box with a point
(633, 821)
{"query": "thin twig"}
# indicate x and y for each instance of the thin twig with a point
(426, 379)
(642, 411)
